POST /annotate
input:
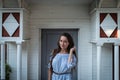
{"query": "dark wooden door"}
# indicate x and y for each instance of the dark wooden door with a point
(49, 42)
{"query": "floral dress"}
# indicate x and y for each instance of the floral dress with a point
(62, 70)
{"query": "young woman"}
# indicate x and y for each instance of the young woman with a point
(63, 59)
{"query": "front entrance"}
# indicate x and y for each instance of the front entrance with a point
(48, 43)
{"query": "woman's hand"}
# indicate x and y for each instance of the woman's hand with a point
(72, 50)
(70, 55)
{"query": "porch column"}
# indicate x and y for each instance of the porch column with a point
(98, 60)
(2, 60)
(116, 62)
(19, 59)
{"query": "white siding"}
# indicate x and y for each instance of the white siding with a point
(93, 27)
(106, 62)
(26, 23)
(94, 62)
(33, 56)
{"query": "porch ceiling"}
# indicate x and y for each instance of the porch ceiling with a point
(69, 2)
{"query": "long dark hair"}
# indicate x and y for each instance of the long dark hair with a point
(71, 44)
(58, 49)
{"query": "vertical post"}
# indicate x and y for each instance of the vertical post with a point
(98, 60)
(19, 56)
(2, 60)
(116, 62)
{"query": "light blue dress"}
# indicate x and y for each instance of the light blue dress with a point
(60, 65)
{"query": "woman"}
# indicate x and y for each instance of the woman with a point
(63, 59)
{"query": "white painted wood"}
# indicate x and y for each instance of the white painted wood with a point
(94, 30)
(24, 27)
(95, 38)
(2, 60)
(95, 24)
(19, 60)
(12, 11)
(0, 24)
(94, 62)
(116, 62)
(98, 61)
(25, 52)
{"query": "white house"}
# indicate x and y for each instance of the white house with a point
(29, 30)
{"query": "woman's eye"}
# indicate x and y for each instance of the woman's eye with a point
(63, 41)
(60, 40)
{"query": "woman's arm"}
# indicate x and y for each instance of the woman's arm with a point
(70, 55)
(49, 74)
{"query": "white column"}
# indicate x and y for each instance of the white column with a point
(98, 60)
(116, 62)
(2, 61)
(19, 59)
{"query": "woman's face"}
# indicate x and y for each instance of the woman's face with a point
(63, 42)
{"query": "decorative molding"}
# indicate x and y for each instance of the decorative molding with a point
(10, 24)
(117, 43)
(4, 32)
(16, 33)
(102, 33)
(102, 17)
(115, 33)
(14, 24)
(2, 42)
(99, 43)
(105, 25)
(19, 42)
(108, 25)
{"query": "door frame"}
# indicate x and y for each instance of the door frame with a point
(113, 62)
(40, 51)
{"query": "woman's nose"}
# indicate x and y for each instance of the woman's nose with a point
(62, 43)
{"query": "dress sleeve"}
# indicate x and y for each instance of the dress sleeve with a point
(72, 63)
(50, 60)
